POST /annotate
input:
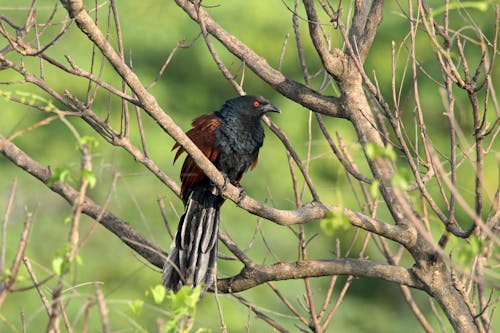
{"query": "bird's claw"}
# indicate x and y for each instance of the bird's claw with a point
(237, 184)
(226, 181)
(242, 196)
(223, 187)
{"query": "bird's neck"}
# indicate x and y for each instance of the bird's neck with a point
(242, 120)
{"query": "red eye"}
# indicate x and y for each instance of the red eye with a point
(256, 104)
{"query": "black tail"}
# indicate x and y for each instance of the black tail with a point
(192, 259)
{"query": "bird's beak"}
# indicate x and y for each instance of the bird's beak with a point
(270, 108)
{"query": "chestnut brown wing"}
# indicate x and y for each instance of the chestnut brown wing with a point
(203, 136)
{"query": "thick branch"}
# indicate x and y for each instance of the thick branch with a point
(364, 26)
(398, 233)
(250, 277)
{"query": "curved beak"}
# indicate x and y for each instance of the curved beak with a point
(270, 108)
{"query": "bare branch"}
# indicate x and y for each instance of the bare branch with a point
(250, 277)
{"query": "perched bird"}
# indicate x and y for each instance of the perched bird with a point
(231, 139)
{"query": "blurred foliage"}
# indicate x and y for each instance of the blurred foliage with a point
(192, 85)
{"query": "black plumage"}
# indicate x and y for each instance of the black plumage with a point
(231, 139)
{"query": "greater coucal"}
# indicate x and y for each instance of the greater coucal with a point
(231, 139)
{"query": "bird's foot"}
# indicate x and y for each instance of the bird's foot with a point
(243, 193)
(237, 184)
(242, 196)
(223, 188)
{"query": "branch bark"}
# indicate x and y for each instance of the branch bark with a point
(254, 275)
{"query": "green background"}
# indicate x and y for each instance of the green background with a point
(190, 86)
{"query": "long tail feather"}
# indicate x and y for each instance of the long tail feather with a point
(192, 257)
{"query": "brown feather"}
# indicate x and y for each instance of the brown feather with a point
(203, 136)
(254, 163)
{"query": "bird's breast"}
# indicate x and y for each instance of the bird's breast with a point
(238, 147)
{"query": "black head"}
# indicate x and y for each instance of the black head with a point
(249, 105)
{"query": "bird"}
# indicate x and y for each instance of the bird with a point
(230, 138)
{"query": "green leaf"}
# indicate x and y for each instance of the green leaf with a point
(390, 153)
(90, 177)
(89, 141)
(58, 265)
(79, 260)
(21, 278)
(58, 175)
(68, 219)
(192, 297)
(401, 178)
(184, 301)
(170, 326)
(181, 305)
(374, 193)
(50, 107)
(6, 276)
(475, 245)
(373, 151)
(136, 306)
(466, 250)
(333, 222)
(158, 292)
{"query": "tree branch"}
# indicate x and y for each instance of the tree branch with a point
(250, 277)
(289, 88)
(335, 61)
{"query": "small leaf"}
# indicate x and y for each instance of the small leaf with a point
(89, 141)
(390, 153)
(373, 151)
(192, 297)
(50, 107)
(465, 250)
(58, 175)
(475, 245)
(6, 276)
(334, 222)
(79, 260)
(68, 219)
(90, 177)
(136, 306)
(399, 181)
(158, 292)
(184, 301)
(374, 193)
(170, 326)
(401, 178)
(57, 265)
(21, 278)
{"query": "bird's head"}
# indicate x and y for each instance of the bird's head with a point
(254, 106)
